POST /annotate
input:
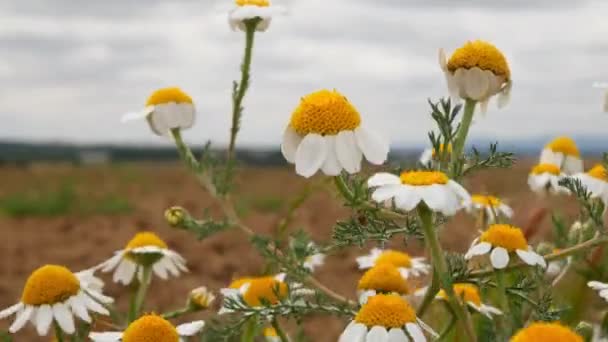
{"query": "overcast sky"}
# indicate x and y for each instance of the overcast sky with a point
(70, 68)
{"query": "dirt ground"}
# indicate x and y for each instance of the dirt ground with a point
(80, 241)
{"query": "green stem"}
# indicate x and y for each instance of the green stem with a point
(447, 328)
(279, 330)
(140, 295)
(463, 130)
(184, 152)
(250, 330)
(241, 88)
(58, 332)
(504, 301)
(429, 296)
(440, 267)
(177, 313)
(343, 188)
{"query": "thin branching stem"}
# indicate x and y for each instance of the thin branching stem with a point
(279, 330)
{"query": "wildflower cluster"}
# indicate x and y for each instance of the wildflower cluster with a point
(501, 289)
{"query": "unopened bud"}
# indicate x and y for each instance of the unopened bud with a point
(175, 216)
(200, 298)
(585, 330)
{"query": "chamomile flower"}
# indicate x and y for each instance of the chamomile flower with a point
(490, 206)
(602, 288)
(502, 240)
(477, 71)
(411, 188)
(150, 328)
(596, 182)
(544, 178)
(564, 153)
(408, 266)
(166, 109)
(429, 155)
(271, 335)
(251, 9)
(255, 290)
(200, 298)
(326, 133)
(382, 278)
(470, 294)
(541, 331)
(384, 318)
(54, 294)
(145, 249)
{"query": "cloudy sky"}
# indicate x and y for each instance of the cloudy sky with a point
(70, 68)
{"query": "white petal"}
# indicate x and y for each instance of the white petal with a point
(527, 257)
(460, 191)
(331, 166)
(397, 335)
(280, 277)
(111, 263)
(160, 270)
(505, 95)
(354, 332)
(100, 297)
(105, 336)
(478, 249)
(190, 329)
(44, 318)
(415, 332)
(310, 155)
(22, 317)
(383, 178)
(94, 306)
(435, 197)
(185, 116)
(385, 192)
(407, 198)
(291, 141)
(443, 61)
(365, 262)
(374, 147)
(499, 258)
(377, 334)
(348, 152)
(596, 285)
(79, 308)
(125, 272)
(158, 120)
(476, 84)
(364, 296)
(11, 310)
(426, 156)
(131, 116)
(64, 318)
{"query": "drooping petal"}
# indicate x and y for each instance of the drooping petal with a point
(443, 61)
(190, 329)
(476, 84)
(291, 141)
(596, 285)
(44, 318)
(331, 166)
(64, 318)
(11, 310)
(132, 116)
(385, 192)
(79, 308)
(407, 198)
(348, 152)
(527, 257)
(478, 249)
(310, 155)
(374, 147)
(110, 336)
(23, 316)
(383, 178)
(499, 258)
(415, 332)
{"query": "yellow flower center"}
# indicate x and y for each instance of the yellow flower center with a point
(506, 236)
(546, 168)
(468, 292)
(259, 3)
(395, 258)
(480, 54)
(546, 332)
(389, 311)
(564, 145)
(260, 289)
(50, 284)
(599, 172)
(384, 278)
(270, 332)
(486, 201)
(441, 149)
(145, 239)
(417, 178)
(150, 328)
(324, 112)
(168, 95)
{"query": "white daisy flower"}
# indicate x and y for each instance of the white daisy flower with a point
(429, 155)
(502, 240)
(434, 188)
(386, 318)
(150, 328)
(544, 178)
(407, 266)
(326, 133)
(470, 294)
(477, 71)
(564, 153)
(489, 206)
(145, 249)
(596, 182)
(54, 293)
(382, 278)
(200, 298)
(252, 9)
(255, 290)
(166, 109)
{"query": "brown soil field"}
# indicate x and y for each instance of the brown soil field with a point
(81, 240)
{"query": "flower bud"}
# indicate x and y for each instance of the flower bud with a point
(585, 330)
(200, 298)
(175, 216)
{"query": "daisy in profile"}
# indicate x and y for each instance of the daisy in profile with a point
(53, 293)
(601, 288)
(256, 290)
(145, 249)
(326, 133)
(596, 182)
(544, 178)
(490, 207)
(542, 331)
(429, 155)
(246, 10)
(502, 240)
(470, 294)
(411, 188)
(477, 71)
(165, 110)
(563, 152)
(384, 318)
(382, 278)
(150, 328)
(407, 266)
